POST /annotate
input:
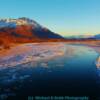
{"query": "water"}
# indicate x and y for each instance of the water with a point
(73, 74)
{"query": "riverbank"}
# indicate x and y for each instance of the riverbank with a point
(29, 52)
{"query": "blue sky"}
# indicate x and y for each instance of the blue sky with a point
(66, 17)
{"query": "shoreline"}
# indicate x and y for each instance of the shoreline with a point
(30, 52)
(34, 52)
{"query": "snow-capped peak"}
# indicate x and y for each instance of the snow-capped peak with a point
(20, 21)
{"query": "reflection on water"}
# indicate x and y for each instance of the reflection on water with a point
(73, 74)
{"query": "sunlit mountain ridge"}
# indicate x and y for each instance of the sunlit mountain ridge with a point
(24, 30)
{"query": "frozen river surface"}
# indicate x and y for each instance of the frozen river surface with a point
(68, 70)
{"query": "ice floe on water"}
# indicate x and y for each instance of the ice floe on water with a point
(98, 66)
(18, 66)
(31, 52)
(98, 62)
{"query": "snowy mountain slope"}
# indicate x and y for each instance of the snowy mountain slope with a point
(24, 30)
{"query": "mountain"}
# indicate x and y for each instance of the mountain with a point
(96, 36)
(24, 30)
(79, 37)
(84, 37)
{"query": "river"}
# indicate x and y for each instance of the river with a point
(73, 74)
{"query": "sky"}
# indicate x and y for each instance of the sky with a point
(66, 17)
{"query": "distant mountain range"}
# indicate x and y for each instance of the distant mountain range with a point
(24, 30)
(96, 36)
(84, 37)
(78, 36)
